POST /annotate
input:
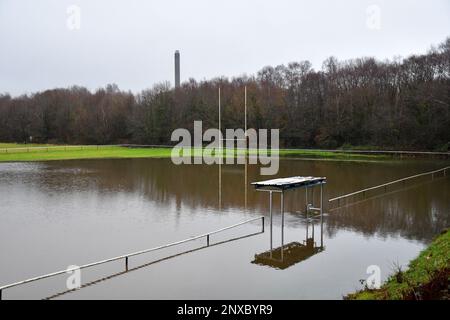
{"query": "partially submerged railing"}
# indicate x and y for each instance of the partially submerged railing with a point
(126, 256)
(385, 185)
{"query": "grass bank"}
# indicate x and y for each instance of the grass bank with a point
(17, 152)
(427, 276)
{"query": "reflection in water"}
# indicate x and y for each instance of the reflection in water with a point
(55, 214)
(294, 252)
(418, 212)
(128, 270)
(415, 213)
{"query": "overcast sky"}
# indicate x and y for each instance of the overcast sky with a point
(46, 44)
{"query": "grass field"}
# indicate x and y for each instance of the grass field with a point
(18, 152)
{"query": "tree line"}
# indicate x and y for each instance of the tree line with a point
(392, 104)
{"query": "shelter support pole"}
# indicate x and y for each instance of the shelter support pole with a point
(271, 220)
(321, 200)
(321, 216)
(306, 201)
(282, 223)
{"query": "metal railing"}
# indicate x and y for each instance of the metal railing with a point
(381, 152)
(126, 256)
(138, 267)
(385, 185)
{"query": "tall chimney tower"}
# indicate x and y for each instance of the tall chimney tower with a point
(177, 69)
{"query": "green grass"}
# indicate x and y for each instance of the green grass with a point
(83, 153)
(359, 148)
(19, 152)
(420, 274)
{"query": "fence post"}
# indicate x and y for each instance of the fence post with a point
(262, 218)
(207, 240)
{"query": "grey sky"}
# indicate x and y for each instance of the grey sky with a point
(131, 43)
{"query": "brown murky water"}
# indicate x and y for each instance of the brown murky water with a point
(57, 214)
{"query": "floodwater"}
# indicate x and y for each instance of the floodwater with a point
(57, 214)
